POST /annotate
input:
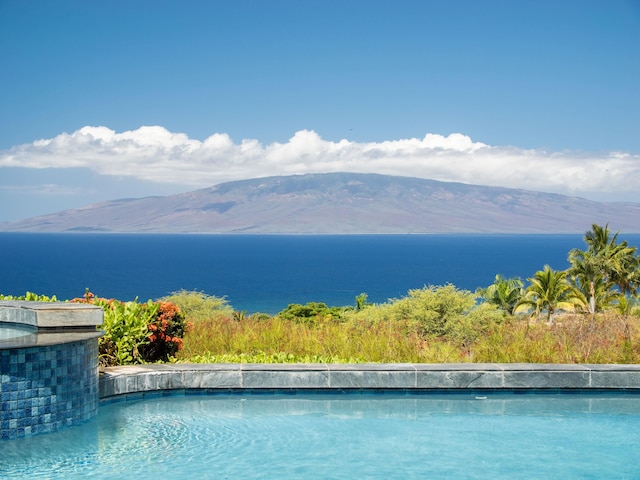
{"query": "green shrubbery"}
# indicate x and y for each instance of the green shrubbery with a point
(436, 312)
(432, 324)
(311, 312)
(198, 306)
(137, 332)
(30, 297)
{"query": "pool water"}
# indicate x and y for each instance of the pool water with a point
(10, 331)
(342, 436)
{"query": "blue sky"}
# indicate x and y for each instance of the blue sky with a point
(102, 100)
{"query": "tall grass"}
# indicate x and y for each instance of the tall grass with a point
(380, 335)
(576, 339)
(606, 338)
(284, 341)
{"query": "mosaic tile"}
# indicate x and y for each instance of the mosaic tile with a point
(43, 389)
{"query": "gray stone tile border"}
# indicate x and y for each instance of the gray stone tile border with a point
(51, 323)
(401, 376)
(51, 314)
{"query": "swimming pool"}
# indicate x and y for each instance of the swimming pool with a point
(410, 434)
(9, 331)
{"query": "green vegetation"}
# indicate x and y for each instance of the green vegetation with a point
(549, 291)
(311, 312)
(197, 306)
(30, 297)
(138, 332)
(505, 293)
(589, 313)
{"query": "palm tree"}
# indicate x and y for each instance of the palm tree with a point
(617, 261)
(627, 274)
(585, 272)
(594, 294)
(505, 293)
(605, 258)
(550, 291)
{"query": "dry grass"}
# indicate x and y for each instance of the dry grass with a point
(393, 333)
(606, 338)
(274, 339)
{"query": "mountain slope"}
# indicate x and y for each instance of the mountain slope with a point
(342, 203)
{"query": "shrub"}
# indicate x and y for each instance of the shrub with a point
(137, 332)
(30, 297)
(310, 312)
(167, 326)
(198, 306)
(435, 312)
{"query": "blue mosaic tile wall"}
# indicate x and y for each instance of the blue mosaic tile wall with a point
(46, 388)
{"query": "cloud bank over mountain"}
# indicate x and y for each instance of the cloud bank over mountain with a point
(153, 153)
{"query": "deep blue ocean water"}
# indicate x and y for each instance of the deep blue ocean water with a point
(267, 272)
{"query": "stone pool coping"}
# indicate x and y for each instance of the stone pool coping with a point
(405, 376)
(50, 323)
(51, 314)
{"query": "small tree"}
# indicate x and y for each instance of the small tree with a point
(616, 261)
(361, 302)
(505, 293)
(549, 291)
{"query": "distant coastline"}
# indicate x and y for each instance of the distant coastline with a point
(342, 204)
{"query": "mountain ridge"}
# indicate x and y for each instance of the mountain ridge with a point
(341, 203)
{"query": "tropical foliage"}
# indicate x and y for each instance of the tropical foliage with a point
(310, 312)
(548, 291)
(30, 297)
(606, 271)
(137, 332)
(505, 293)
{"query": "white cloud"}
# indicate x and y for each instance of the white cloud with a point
(155, 154)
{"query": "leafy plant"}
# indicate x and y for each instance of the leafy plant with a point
(137, 332)
(167, 327)
(435, 309)
(505, 293)
(549, 291)
(126, 330)
(30, 297)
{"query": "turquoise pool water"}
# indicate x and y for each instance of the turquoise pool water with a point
(10, 331)
(342, 436)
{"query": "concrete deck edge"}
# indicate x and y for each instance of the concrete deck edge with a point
(149, 378)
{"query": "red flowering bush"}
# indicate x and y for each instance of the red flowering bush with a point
(166, 330)
(138, 332)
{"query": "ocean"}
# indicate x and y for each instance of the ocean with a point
(265, 273)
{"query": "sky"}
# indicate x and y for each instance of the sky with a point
(120, 99)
